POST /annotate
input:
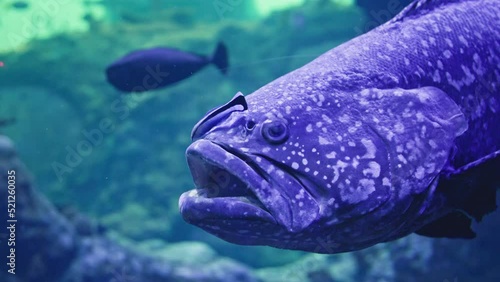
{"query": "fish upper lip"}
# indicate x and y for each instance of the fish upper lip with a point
(205, 157)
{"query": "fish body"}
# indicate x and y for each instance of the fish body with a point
(393, 132)
(155, 68)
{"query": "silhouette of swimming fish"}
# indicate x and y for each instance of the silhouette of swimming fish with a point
(7, 121)
(151, 69)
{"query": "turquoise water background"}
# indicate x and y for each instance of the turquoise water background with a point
(119, 159)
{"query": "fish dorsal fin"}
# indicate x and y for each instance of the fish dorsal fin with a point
(420, 7)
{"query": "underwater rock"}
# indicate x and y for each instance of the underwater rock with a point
(49, 247)
(45, 241)
(315, 268)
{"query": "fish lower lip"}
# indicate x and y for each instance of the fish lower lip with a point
(219, 184)
(196, 208)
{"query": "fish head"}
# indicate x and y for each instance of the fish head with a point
(271, 173)
(328, 171)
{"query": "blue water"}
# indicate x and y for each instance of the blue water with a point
(118, 160)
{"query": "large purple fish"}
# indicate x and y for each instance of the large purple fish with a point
(394, 132)
(151, 69)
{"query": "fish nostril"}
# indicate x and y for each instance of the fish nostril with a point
(250, 125)
(215, 116)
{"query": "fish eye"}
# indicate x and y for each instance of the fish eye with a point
(250, 125)
(275, 132)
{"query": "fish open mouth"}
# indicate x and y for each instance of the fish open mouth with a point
(225, 186)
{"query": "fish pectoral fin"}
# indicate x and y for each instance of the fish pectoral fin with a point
(452, 225)
(418, 127)
(473, 187)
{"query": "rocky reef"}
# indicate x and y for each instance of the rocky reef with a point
(51, 247)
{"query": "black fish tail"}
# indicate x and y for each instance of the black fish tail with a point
(220, 59)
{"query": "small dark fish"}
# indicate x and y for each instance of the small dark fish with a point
(7, 122)
(150, 69)
(88, 17)
(21, 5)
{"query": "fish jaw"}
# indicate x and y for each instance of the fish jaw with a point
(229, 188)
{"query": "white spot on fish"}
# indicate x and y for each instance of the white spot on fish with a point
(324, 141)
(359, 194)
(270, 169)
(370, 149)
(399, 127)
(433, 144)
(440, 65)
(344, 118)
(402, 159)
(326, 119)
(309, 128)
(449, 42)
(295, 165)
(420, 173)
(386, 182)
(463, 40)
(355, 163)
(436, 77)
(374, 169)
(447, 54)
(331, 155)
